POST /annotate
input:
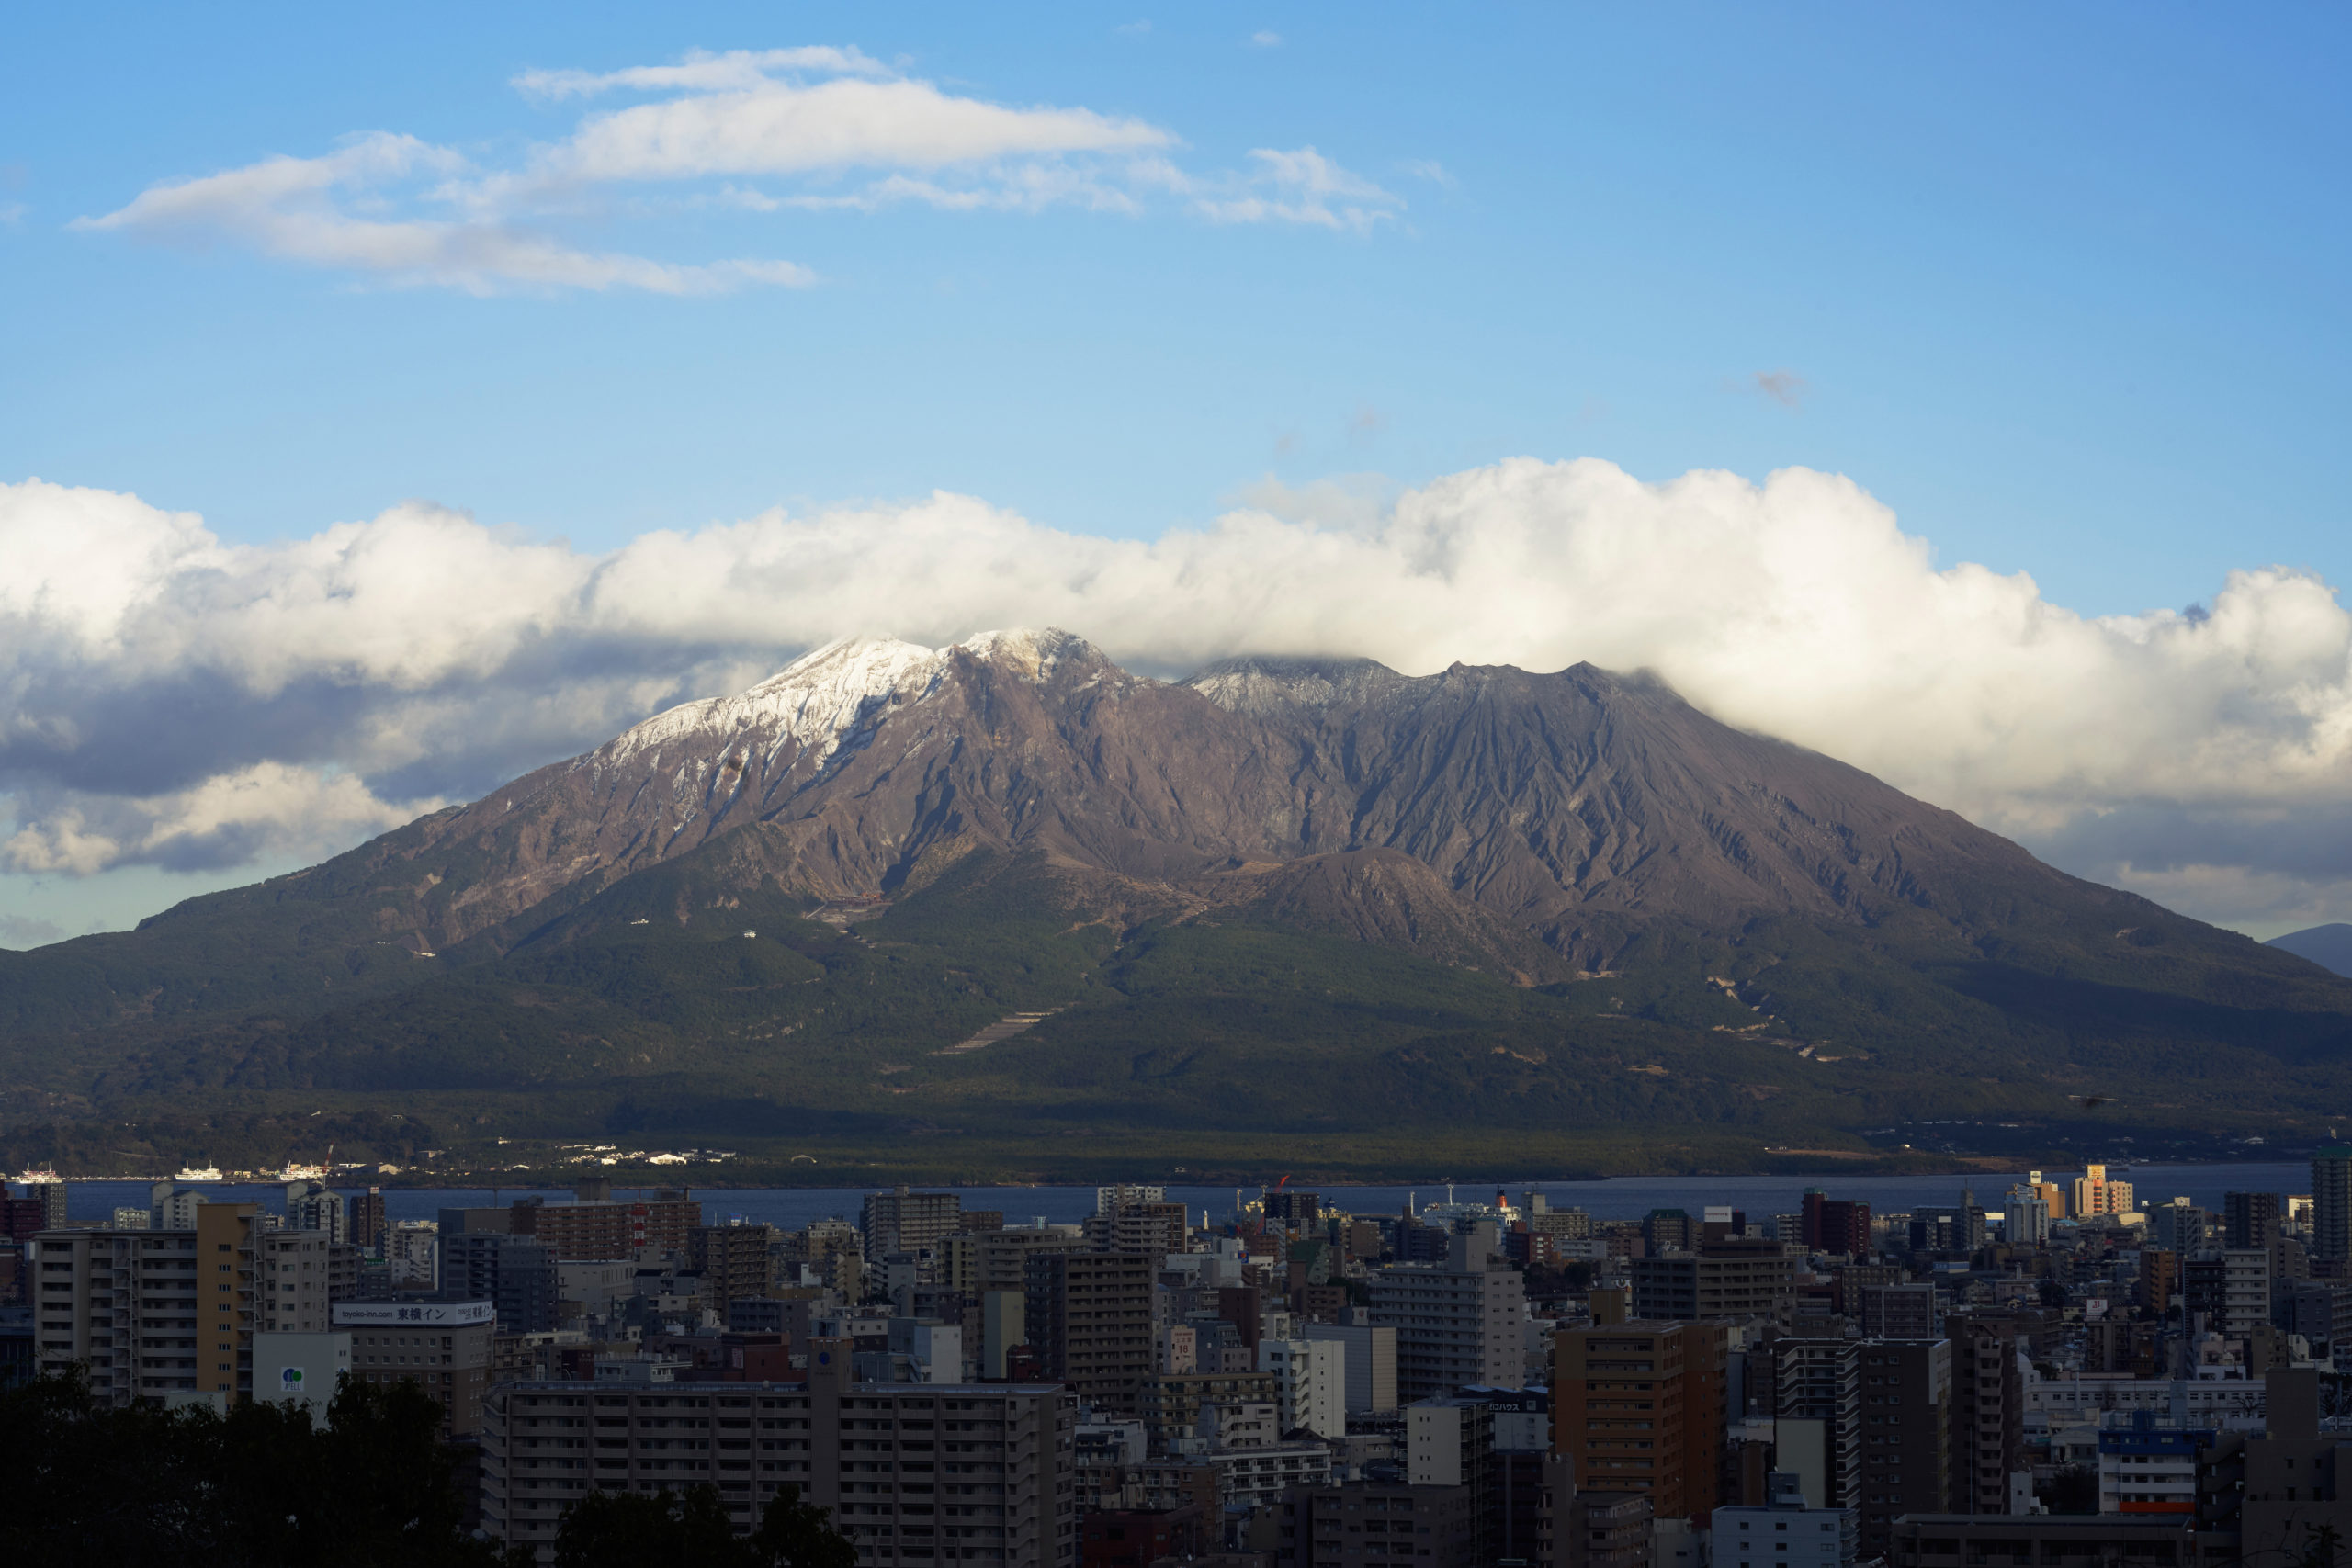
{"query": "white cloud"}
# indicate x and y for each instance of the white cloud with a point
(424, 655)
(701, 72)
(265, 811)
(1266, 39)
(298, 209)
(840, 127)
(1298, 186)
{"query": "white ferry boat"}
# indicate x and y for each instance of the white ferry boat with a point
(197, 1173)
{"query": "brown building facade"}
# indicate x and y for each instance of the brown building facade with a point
(1639, 1408)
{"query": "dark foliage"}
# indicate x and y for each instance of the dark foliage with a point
(258, 1488)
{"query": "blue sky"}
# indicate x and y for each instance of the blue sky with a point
(2063, 291)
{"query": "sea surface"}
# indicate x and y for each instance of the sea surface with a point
(1614, 1199)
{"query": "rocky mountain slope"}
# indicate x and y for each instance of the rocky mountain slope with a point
(1534, 830)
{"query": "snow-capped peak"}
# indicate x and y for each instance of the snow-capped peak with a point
(827, 695)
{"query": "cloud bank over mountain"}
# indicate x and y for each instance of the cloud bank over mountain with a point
(170, 699)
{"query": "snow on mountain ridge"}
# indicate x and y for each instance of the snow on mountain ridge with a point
(829, 693)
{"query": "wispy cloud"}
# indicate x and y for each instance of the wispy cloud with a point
(827, 127)
(1785, 388)
(1301, 186)
(1265, 38)
(300, 208)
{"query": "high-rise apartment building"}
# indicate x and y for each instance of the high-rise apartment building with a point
(2251, 1219)
(296, 1288)
(1370, 1359)
(1638, 1407)
(1088, 1320)
(1906, 1435)
(1987, 1414)
(1902, 1312)
(151, 1312)
(2228, 1288)
(1310, 1383)
(1342, 1527)
(370, 1226)
(902, 1220)
(926, 1472)
(585, 1231)
(315, 1206)
(732, 1261)
(1457, 1323)
(2025, 1219)
(1721, 1280)
(1834, 1224)
(1158, 1229)
(1818, 1381)
(2332, 1203)
(2049, 1192)
(2096, 1193)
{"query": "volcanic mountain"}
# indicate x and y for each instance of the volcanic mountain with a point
(1566, 871)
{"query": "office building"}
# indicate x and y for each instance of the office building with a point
(1369, 1357)
(444, 1348)
(1906, 1435)
(970, 1472)
(1310, 1383)
(2332, 1203)
(153, 1313)
(1785, 1532)
(515, 1273)
(1639, 1408)
(1458, 1322)
(1088, 1316)
(1955, 1231)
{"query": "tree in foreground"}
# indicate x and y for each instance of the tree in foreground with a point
(629, 1529)
(256, 1488)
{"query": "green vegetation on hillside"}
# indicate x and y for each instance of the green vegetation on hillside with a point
(745, 1023)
